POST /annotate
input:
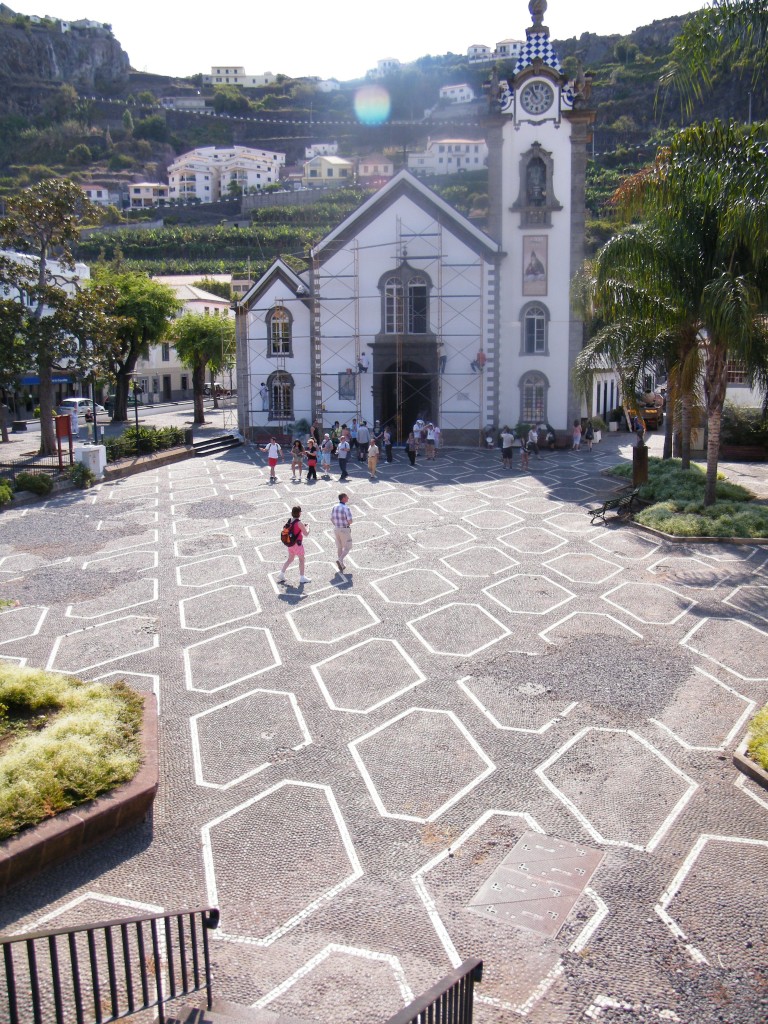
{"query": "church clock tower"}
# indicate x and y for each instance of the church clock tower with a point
(538, 130)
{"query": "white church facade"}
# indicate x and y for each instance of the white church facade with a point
(408, 309)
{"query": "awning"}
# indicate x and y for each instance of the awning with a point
(32, 378)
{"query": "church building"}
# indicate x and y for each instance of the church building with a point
(409, 310)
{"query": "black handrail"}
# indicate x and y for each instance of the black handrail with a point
(450, 1001)
(46, 980)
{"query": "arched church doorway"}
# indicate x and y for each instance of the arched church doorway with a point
(401, 402)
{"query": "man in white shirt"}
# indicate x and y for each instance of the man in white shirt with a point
(533, 440)
(507, 440)
(274, 454)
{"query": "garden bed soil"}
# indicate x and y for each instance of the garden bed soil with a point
(55, 840)
(748, 767)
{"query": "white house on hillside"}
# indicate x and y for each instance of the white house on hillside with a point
(457, 93)
(208, 173)
(238, 76)
(328, 170)
(447, 156)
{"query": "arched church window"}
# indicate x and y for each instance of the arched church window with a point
(393, 306)
(533, 398)
(418, 310)
(535, 323)
(279, 328)
(280, 396)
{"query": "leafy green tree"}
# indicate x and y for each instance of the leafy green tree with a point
(229, 99)
(725, 29)
(703, 211)
(203, 340)
(128, 122)
(42, 223)
(143, 310)
(221, 288)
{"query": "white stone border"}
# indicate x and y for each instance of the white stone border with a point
(462, 683)
(420, 677)
(736, 729)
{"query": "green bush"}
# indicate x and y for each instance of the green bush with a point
(80, 475)
(757, 743)
(741, 425)
(69, 742)
(6, 493)
(148, 440)
(599, 423)
(677, 497)
(36, 483)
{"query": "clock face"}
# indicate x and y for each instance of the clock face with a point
(537, 97)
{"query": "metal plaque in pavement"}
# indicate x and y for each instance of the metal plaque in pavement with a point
(537, 884)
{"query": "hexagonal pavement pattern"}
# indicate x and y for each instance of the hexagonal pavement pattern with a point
(346, 763)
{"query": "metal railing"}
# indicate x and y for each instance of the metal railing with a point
(450, 1001)
(37, 464)
(103, 972)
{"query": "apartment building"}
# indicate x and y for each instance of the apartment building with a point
(238, 76)
(208, 174)
(448, 156)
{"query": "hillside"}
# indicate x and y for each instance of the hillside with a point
(71, 105)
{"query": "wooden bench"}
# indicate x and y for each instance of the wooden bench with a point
(621, 504)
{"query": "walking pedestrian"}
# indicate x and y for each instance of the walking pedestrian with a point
(388, 443)
(589, 435)
(297, 458)
(296, 549)
(341, 517)
(311, 459)
(363, 440)
(524, 455)
(353, 434)
(533, 440)
(326, 450)
(411, 448)
(373, 459)
(576, 436)
(343, 454)
(431, 447)
(507, 440)
(274, 455)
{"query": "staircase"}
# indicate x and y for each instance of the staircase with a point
(110, 970)
(215, 445)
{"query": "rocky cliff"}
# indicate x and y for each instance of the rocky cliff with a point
(89, 58)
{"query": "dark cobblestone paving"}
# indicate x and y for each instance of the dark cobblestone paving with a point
(346, 763)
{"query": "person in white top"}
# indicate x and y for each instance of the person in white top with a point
(507, 440)
(274, 455)
(430, 442)
(533, 440)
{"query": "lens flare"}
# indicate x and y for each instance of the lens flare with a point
(372, 104)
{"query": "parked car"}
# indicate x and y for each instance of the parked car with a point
(82, 405)
(133, 400)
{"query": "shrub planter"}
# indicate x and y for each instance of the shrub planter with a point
(74, 831)
(749, 767)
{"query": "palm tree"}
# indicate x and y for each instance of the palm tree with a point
(726, 29)
(695, 270)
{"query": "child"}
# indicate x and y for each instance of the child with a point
(576, 436)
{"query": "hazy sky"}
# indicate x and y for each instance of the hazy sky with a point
(339, 40)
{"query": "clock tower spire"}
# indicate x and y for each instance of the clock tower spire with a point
(538, 129)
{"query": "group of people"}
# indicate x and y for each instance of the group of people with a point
(529, 445)
(369, 444)
(341, 518)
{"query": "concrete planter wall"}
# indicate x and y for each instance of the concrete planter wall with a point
(75, 831)
(749, 767)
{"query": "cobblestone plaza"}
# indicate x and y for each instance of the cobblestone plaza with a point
(502, 732)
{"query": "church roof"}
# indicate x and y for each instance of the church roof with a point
(405, 183)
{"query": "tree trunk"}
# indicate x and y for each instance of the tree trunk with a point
(670, 419)
(198, 383)
(714, 421)
(120, 411)
(47, 431)
(686, 419)
(715, 385)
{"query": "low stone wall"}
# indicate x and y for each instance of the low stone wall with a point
(71, 832)
(127, 467)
